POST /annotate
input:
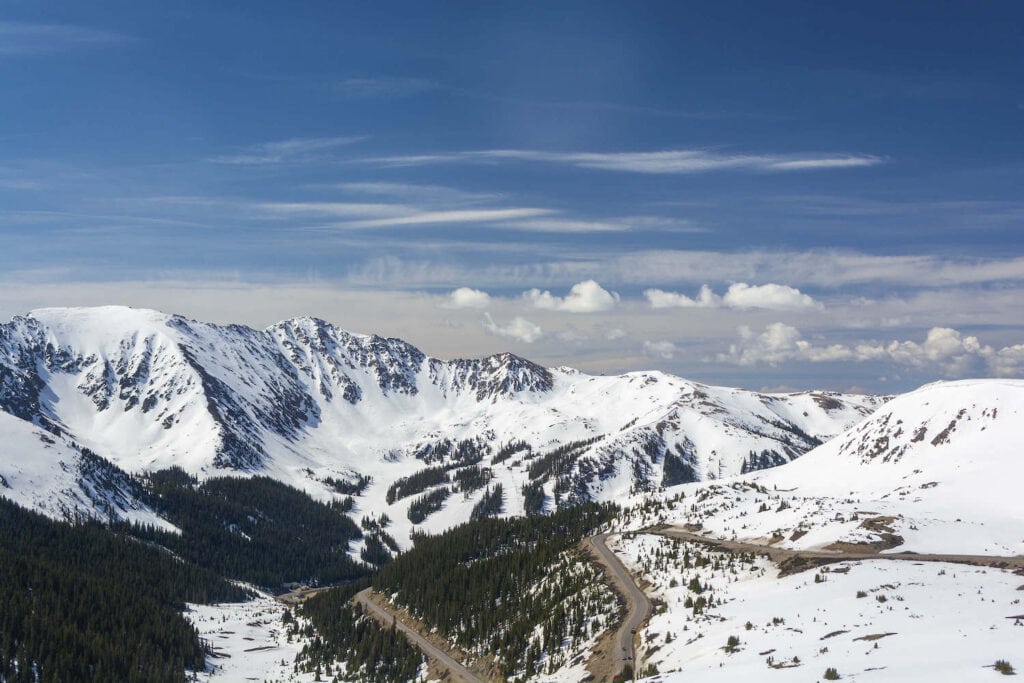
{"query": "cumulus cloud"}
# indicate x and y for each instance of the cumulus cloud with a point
(943, 348)
(771, 296)
(739, 295)
(659, 298)
(584, 297)
(663, 349)
(518, 328)
(467, 297)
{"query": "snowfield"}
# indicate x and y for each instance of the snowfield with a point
(247, 641)
(933, 471)
(876, 620)
(937, 470)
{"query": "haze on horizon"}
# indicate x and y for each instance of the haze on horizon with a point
(783, 196)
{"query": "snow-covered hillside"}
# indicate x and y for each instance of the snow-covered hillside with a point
(730, 618)
(313, 405)
(936, 470)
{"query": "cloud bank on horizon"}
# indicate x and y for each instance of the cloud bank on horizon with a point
(583, 184)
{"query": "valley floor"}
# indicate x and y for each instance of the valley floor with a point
(247, 642)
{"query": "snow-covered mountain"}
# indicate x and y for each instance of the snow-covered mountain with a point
(936, 470)
(312, 405)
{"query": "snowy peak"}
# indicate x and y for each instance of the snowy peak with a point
(935, 470)
(315, 405)
(331, 358)
(937, 421)
(500, 375)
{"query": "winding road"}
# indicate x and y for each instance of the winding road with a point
(638, 610)
(779, 555)
(385, 616)
(638, 606)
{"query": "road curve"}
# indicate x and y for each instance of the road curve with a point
(638, 606)
(779, 555)
(385, 616)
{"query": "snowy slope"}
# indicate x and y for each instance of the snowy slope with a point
(935, 470)
(871, 620)
(46, 472)
(306, 402)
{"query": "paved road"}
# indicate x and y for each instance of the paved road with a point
(384, 615)
(638, 606)
(782, 554)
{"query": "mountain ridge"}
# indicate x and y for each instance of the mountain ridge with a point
(308, 403)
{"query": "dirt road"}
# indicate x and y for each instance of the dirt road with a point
(781, 555)
(638, 606)
(383, 614)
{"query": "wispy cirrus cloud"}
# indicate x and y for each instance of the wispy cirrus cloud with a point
(677, 161)
(422, 194)
(335, 209)
(290, 151)
(451, 217)
(26, 39)
(413, 205)
(611, 224)
(817, 268)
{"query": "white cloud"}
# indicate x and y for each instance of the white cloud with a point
(739, 295)
(1008, 361)
(567, 225)
(293, 150)
(584, 297)
(662, 349)
(944, 349)
(466, 297)
(437, 204)
(422, 194)
(335, 209)
(659, 298)
(822, 268)
(624, 224)
(454, 216)
(518, 328)
(660, 162)
(771, 296)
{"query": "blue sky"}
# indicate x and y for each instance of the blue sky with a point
(562, 180)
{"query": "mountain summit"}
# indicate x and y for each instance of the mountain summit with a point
(310, 404)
